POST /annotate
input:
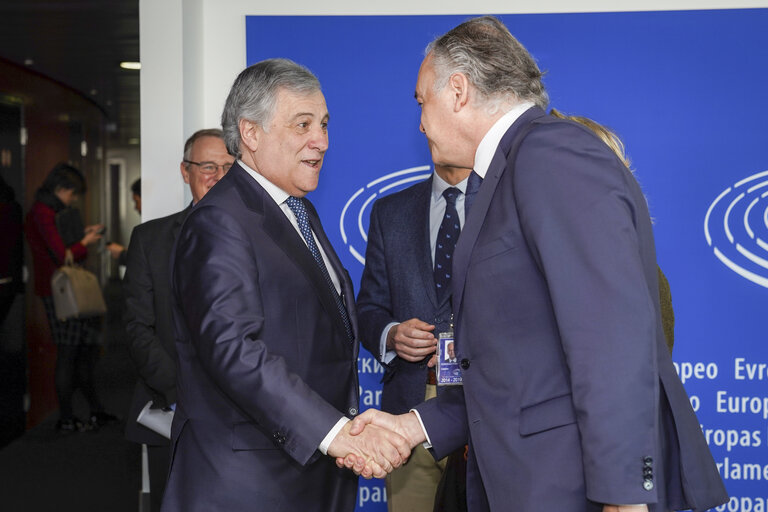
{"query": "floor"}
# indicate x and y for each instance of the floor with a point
(96, 471)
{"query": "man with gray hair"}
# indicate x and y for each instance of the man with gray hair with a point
(265, 321)
(570, 401)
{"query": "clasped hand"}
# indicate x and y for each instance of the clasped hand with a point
(375, 443)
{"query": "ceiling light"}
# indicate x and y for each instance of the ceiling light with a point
(130, 65)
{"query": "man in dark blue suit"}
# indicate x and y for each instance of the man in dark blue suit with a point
(265, 322)
(569, 399)
(401, 309)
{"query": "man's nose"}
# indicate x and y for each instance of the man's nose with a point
(319, 140)
(421, 127)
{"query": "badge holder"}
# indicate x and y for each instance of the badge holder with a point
(448, 372)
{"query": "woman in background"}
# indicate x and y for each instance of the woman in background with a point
(52, 229)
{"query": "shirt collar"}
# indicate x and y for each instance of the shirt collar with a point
(276, 193)
(487, 147)
(439, 185)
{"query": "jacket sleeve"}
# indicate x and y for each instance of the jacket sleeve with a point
(216, 286)
(445, 421)
(374, 301)
(155, 365)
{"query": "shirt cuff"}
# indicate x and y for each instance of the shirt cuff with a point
(386, 356)
(426, 444)
(328, 439)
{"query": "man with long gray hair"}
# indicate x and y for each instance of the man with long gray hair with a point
(265, 321)
(570, 401)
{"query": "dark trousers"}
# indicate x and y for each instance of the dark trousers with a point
(75, 366)
(159, 458)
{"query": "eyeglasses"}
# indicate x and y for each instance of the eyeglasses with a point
(210, 167)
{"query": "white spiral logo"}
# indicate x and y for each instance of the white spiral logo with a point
(353, 232)
(736, 227)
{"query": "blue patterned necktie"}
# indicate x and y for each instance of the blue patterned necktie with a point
(473, 184)
(446, 241)
(296, 205)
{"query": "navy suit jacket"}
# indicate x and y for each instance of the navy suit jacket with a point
(149, 320)
(398, 285)
(265, 368)
(570, 398)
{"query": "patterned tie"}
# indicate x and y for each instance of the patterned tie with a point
(473, 184)
(446, 241)
(296, 205)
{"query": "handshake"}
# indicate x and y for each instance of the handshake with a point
(375, 443)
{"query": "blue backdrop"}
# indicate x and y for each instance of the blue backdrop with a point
(686, 91)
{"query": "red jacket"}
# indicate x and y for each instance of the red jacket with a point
(45, 243)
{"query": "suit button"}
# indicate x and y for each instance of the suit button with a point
(648, 485)
(352, 411)
(465, 364)
(647, 461)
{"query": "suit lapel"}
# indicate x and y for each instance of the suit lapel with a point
(347, 293)
(474, 221)
(277, 226)
(421, 235)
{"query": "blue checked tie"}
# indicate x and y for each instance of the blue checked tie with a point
(296, 205)
(446, 241)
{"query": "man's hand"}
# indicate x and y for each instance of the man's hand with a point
(406, 425)
(374, 452)
(92, 234)
(115, 250)
(625, 508)
(412, 340)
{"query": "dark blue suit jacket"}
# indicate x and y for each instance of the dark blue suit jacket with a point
(265, 368)
(570, 398)
(398, 285)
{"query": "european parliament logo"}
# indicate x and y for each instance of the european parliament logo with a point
(736, 227)
(353, 221)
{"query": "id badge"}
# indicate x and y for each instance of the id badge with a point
(448, 372)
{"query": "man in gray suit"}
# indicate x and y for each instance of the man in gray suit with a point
(402, 308)
(147, 286)
(569, 399)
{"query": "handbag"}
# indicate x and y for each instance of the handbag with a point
(76, 292)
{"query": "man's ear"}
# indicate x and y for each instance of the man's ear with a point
(184, 172)
(249, 134)
(458, 84)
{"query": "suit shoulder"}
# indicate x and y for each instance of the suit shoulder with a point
(550, 130)
(405, 196)
(153, 226)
